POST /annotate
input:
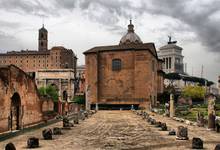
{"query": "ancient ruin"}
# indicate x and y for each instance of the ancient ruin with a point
(21, 105)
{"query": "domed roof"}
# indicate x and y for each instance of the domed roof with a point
(130, 37)
(43, 29)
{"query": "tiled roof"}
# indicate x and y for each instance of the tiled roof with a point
(26, 52)
(145, 46)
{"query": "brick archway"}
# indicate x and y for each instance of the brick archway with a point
(15, 113)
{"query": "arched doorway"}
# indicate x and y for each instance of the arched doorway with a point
(65, 95)
(64, 104)
(15, 116)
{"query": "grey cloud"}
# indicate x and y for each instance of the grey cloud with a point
(5, 45)
(196, 14)
(34, 7)
(3, 35)
(6, 24)
(67, 4)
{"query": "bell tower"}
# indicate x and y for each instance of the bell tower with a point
(42, 39)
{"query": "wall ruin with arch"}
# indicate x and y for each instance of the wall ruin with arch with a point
(20, 104)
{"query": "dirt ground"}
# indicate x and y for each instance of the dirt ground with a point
(114, 130)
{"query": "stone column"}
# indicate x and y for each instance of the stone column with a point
(172, 110)
(60, 86)
(87, 98)
(97, 106)
(69, 91)
(211, 112)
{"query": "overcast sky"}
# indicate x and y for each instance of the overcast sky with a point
(82, 24)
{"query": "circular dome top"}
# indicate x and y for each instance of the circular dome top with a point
(131, 37)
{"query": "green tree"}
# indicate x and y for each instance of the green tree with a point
(195, 92)
(79, 99)
(49, 91)
(42, 91)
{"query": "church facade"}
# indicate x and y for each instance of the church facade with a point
(123, 75)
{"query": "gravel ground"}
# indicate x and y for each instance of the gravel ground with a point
(112, 130)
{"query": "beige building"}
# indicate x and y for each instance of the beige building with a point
(63, 80)
(122, 75)
(57, 57)
(80, 76)
(171, 54)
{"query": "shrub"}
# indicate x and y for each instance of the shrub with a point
(79, 99)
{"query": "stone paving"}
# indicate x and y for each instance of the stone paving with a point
(116, 130)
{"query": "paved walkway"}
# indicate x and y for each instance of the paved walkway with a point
(116, 130)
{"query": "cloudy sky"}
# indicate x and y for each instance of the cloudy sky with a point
(83, 24)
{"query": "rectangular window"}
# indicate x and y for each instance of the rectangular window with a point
(169, 62)
(116, 64)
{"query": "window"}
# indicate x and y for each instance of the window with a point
(116, 64)
(153, 66)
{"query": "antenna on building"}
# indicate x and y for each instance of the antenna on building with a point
(43, 21)
(202, 71)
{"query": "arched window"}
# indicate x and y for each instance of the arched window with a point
(116, 64)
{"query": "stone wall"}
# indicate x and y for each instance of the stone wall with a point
(20, 103)
(47, 104)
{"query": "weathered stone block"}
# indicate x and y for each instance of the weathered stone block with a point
(66, 123)
(57, 131)
(10, 146)
(197, 143)
(158, 124)
(33, 142)
(153, 122)
(47, 134)
(163, 127)
(217, 147)
(211, 121)
(86, 114)
(172, 132)
(182, 133)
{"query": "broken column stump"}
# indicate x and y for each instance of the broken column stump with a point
(217, 147)
(67, 123)
(86, 114)
(47, 134)
(57, 131)
(82, 116)
(10, 146)
(149, 119)
(153, 122)
(172, 132)
(163, 127)
(76, 119)
(197, 143)
(182, 133)
(33, 142)
(158, 124)
(211, 121)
